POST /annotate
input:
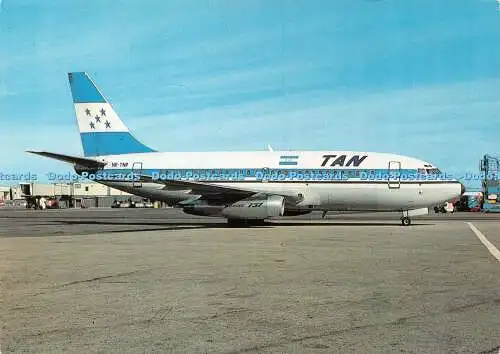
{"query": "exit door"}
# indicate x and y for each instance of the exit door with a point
(394, 178)
(137, 173)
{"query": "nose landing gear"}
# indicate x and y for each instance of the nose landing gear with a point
(405, 221)
(406, 214)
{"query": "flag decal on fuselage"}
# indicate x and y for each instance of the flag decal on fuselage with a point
(289, 160)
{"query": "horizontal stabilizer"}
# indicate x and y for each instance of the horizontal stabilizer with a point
(82, 161)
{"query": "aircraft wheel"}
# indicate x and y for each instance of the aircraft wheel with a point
(405, 221)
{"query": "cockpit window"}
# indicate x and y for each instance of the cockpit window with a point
(429, 171)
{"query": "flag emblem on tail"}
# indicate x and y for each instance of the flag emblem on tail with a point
(289, 160)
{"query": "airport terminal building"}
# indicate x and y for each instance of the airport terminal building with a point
(67, 195)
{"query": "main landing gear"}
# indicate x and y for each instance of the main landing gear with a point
(405, 221)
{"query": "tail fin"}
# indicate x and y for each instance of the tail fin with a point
(101, 130)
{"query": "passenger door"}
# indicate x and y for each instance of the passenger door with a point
(137, 171)
(394, 175)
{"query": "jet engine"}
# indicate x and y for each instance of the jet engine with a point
(255, 208)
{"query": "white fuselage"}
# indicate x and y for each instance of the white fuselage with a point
(328, 180)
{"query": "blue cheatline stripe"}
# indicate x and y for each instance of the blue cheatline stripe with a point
(111, 143)
(288, 175)
(252, 172)
(83, 89)
(289, 157)
(288, 163)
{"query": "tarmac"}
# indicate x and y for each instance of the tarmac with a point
(158, 280)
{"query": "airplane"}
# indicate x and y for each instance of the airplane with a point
(248, 187)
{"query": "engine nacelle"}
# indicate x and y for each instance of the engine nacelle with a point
(256, 209)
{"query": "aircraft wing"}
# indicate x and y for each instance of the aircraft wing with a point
(82, 161)
(216, 192)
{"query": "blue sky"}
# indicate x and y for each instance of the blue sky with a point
(415, 77)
